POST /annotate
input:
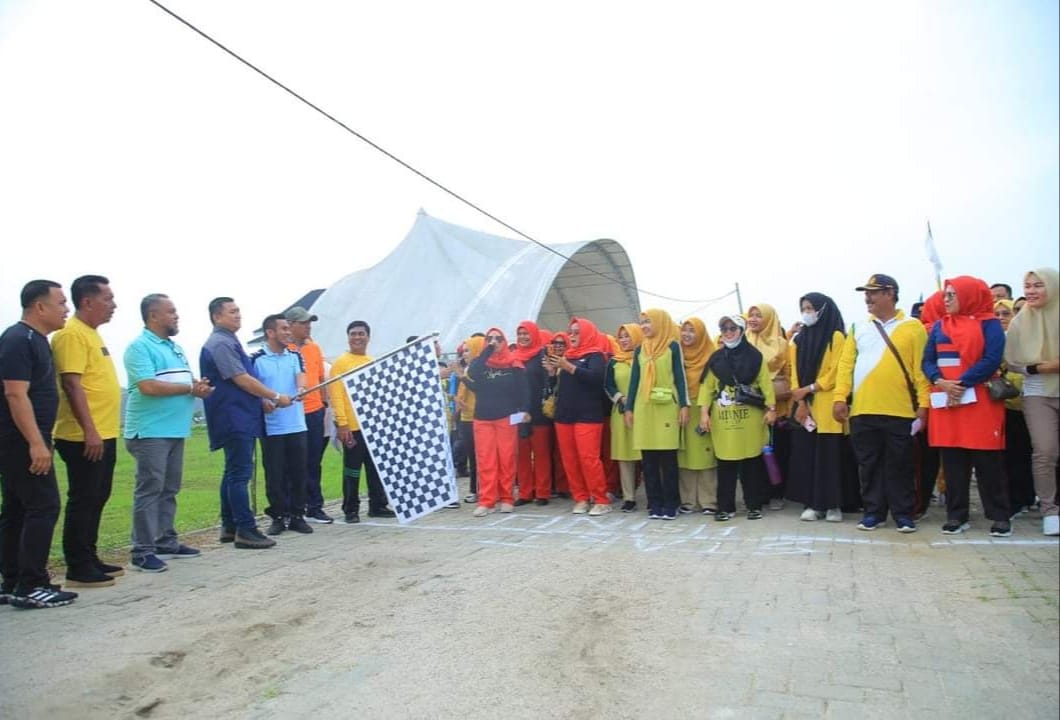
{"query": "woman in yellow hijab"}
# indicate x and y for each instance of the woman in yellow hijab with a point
(616, 385)
(1032, 348)
(763, 332)
(465, 404)
(696, 464)
(657, 410)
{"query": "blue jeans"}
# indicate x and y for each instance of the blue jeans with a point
(235, 497)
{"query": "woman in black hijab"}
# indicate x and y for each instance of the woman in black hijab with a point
(817, 472)
(737, 421)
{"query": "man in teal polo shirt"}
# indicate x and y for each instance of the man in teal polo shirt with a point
(157, 420)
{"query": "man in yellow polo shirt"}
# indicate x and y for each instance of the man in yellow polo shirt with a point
(87, 427)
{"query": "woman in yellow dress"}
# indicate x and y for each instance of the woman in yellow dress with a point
(616, 385)
(696, 464)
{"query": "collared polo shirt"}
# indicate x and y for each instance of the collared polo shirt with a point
(151, 357)
(280, 371)
(79, 349)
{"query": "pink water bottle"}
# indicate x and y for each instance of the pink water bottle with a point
(772, 466)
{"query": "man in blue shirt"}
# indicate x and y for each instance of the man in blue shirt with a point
(284, 445)
(234, 420)
(158, 414)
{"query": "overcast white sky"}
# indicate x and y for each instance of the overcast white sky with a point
(789, 147)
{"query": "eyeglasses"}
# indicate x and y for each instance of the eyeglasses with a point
(949, 295)
(729, 328)
(494, 338)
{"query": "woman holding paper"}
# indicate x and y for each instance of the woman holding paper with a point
(964, 350)
(501, 404)
(817, 471)
(616, 385)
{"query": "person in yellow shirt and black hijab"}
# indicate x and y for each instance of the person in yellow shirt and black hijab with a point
(818, 473)
(736, 405)
(881, 366)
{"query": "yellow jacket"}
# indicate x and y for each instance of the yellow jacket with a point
(337, 395)
(869, 369)
(821, 407)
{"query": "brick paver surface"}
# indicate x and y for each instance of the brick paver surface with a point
(544, 614)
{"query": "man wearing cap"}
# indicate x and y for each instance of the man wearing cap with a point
(880, 366)
(315, 407)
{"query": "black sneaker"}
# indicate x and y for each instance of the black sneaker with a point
(686, 508)
(523, 501)
(276, 527)
(252, 539)
(722, 516)
(709, 511)
(382, 513)
(754, 514)
(228, 534)
(1001, 529)
(111, 570)
(319, 516)
(6, 593)
(629, 506)
(149, 564)
(541, 501)
(299, 525)
(352, 518)
(181, 552)
(91, 578)
(41, 597)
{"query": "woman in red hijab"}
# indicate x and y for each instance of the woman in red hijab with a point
(534, 467)
(500, 398)
(579, 421)
(964, 350)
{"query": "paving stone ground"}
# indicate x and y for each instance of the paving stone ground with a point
(543, 614)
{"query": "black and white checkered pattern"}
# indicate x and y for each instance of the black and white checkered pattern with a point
(400, 405)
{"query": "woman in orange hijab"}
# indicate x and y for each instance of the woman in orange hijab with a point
(964, 350)
(534, 467)
(657, 410)
(579, 416)
(501, 394)
(696, 464)
(616, 386)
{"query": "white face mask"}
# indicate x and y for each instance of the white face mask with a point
(732, 343)
(809, 318)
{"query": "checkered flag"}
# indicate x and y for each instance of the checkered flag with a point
(400, 405)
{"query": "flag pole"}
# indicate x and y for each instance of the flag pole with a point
(395, 351)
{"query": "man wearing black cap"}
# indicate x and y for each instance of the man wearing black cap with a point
(880, 366)
(315, 406)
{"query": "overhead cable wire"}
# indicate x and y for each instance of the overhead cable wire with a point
(401, 162)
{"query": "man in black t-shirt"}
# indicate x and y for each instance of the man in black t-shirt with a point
(28, 405)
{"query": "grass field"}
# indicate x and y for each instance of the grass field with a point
(198, 505)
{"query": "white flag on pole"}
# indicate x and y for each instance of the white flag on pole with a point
(400, 405)
(933, 253)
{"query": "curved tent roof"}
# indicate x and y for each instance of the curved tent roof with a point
(455, 281)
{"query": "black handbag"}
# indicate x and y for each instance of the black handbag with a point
(747, 395)
(1001, 388)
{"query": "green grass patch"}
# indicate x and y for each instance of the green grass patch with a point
(199, 503)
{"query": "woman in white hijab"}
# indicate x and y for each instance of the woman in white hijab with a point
(1032, 348)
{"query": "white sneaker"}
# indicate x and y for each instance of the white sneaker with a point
(1051, 525)
(472, 498)
(776, 504)
(834, 515)
(506, 507)
(580, 508)
(808, 515)
(600, 509)
(482, 511)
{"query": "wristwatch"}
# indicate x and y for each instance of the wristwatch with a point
(276, 398)
(1032, 369)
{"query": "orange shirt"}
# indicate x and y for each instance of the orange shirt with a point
(313, 361)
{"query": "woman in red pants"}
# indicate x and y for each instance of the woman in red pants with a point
(534, 469)
(501, 402)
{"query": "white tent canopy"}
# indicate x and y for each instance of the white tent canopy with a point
(448, 279)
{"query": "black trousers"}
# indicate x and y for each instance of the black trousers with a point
(884, 450)
(815, 478)
(88, 489)
(352, 460)
(28, 513)
(989, 477)
(782, 439)
(316, 442)
(751, 472)
(661, 479)
(284, 459)
(467, 439)
(1018, 460)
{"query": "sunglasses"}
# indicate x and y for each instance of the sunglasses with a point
(494, 338)
(729, 328)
